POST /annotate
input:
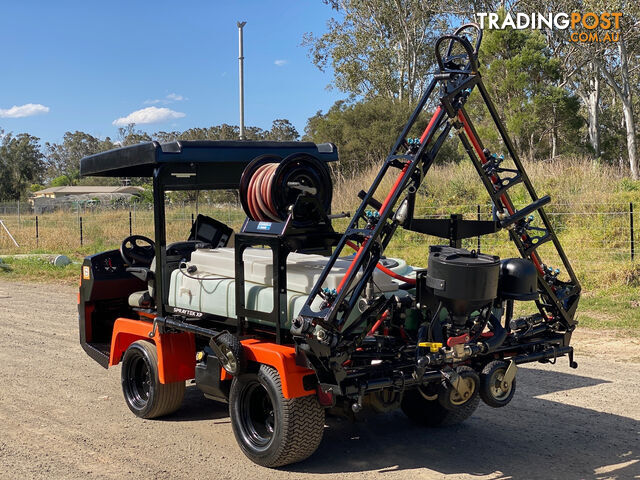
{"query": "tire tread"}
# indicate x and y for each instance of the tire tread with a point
(168, 396)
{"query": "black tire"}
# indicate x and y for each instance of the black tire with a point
(430, 413)
(143, 392)
(423, 406)
(492, 391)
(450, 399)
(233, 360)
(271, 430)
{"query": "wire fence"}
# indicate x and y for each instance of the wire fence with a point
(592, 234)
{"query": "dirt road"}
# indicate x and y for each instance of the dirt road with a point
(63, 416)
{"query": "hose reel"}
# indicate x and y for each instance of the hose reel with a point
(270, 187)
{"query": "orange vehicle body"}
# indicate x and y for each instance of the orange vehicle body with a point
(177, 355)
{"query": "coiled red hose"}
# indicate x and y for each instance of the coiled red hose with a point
(259, 199)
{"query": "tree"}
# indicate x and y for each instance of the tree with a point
(282, 131)
(63, 160)
(21, 164)
(130, 136)
(523, 79)
(364, 131)
(379, 47)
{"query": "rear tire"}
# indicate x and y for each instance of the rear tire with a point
(271, 430)
(143, 392)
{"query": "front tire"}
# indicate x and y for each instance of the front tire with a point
(271, 430)
(144, 394)
(493, 390)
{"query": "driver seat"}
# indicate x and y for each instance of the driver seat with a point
(206, 232)
(176, 253)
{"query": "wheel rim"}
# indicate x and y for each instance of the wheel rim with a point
(229, 362)
(139, 382)
(456, 399)
(497, 386)
(257, 417)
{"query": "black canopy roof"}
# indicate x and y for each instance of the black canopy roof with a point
(223, 161)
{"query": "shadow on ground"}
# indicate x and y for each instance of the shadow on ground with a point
(529, 439)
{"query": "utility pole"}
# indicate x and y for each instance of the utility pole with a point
(241, 77)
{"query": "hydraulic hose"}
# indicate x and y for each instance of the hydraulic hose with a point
(385, 270)
(499, 335)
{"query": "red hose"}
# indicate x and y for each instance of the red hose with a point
(376, 325)
(383, 269)
(259, 198)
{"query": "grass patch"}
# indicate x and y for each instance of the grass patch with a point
(615, 307)
(38, 270)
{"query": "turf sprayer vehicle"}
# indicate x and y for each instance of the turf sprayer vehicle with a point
(295, 318)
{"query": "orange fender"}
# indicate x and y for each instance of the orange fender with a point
(282, 358)
(176, 351)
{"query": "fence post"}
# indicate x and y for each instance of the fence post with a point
(631, 230)
(192, 219)
(18, 213)
(478, 235)
(81, 239)
(130, 222)
(37, 233)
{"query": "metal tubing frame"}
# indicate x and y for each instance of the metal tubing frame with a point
(455, 89)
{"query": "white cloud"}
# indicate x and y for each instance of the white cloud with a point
(176, 97)
(148, 115)
(27, 110)
(172, 97)
(280, 63)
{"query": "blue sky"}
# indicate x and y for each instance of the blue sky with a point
(71, 65)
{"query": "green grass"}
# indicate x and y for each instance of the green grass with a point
(38, 270)
(611, 308)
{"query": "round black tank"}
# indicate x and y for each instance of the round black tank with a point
(518, 279)
(464, 281)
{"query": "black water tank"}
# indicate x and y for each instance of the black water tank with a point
(518, 279)
(464, 281)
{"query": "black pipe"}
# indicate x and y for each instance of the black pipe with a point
(553, 352)
(499, 335)
(532, 332)
(386, 382)
(186, 327)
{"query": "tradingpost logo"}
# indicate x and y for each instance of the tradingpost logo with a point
(588, 27)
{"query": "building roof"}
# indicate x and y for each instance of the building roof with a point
(88, 190)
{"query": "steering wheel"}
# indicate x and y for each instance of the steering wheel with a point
(135, 254)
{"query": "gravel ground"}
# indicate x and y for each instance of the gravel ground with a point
(63, 416)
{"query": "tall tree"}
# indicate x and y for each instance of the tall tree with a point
(130, 136)
(379, 47)
(364, 131)
(282, 131)
(21, 164)
(63, 159)
(523, 77)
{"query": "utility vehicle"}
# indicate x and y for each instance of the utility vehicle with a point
(283, 321)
